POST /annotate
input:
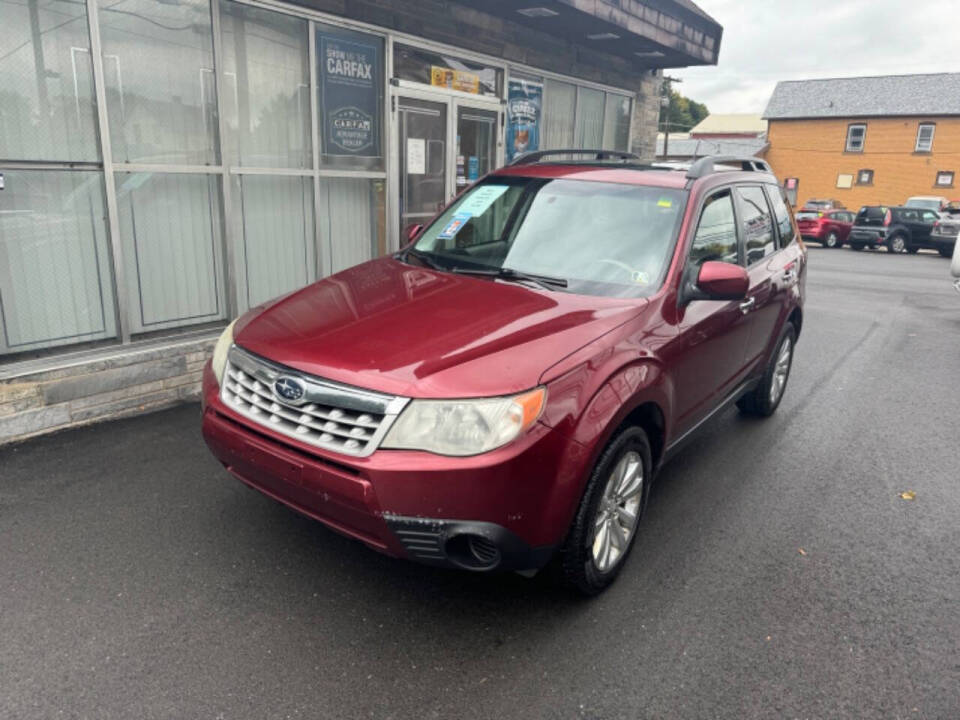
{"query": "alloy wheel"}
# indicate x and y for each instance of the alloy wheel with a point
(618, 512)
(832, 240)
(898, 244)
(780, 371)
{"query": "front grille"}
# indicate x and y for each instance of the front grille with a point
(329, 415)
(424, 544)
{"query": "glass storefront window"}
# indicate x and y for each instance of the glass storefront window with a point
(47, 108)
(589, 118)
(55, 271)
(442, 70)
(350, 69)
(559, 107)
(352, 220)
(171, 237)
(266, 72)
(158, 73)
(274, 230)
(616, 123)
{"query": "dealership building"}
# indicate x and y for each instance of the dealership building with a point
(167, 164)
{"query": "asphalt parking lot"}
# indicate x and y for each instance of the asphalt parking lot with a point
(779, 574)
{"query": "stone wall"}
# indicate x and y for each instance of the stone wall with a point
(129, 382)
(646, 116)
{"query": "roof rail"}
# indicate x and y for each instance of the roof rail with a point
(534, 157)
(707, 165)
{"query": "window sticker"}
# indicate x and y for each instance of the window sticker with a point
(481, 199)
(454, 226)
(665, 203)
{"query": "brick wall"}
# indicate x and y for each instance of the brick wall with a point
(130, 382)
(813, 151)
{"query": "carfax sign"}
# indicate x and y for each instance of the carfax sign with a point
(350, 85)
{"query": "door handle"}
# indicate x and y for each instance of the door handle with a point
(747, 305)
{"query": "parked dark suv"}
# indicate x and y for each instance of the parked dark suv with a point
(501, 392)
(898, 229)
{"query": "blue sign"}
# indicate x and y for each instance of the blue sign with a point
(524, 106)
(350, 87)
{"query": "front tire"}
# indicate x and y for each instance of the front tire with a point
(897, 244)
(832, 241)
(610, 512)
(764, 400)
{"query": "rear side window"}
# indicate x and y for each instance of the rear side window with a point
(716, 237)
(756, 222)
(782, 214)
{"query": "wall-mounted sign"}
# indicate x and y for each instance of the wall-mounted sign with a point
(524, 103)
(455, 79)
(350, 86)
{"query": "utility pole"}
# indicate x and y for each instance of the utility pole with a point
(665, 100)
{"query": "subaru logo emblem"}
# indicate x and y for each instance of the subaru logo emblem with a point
(289, 389)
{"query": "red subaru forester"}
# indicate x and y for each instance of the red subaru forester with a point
(501, 392)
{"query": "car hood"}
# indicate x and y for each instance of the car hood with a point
(405, 330)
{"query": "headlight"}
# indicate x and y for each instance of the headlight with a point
(220, 351)
(465, 427)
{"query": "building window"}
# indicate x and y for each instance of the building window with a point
(945, 178)
(559, 114)
(925, 137)
(865, 177)
(616, 123)
(56, 283)
(158, 73)
(171, 238)
(856, 135)
(439, 69)
(266, 72)
(46, 83)
(844, 181)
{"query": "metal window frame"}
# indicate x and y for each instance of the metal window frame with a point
(227, 253)
(933, 132)
(863, 140)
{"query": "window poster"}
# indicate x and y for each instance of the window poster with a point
(350, 88)
(524, 103)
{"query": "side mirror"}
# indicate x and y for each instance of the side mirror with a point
(412, 231)
(715, 281)
(723, 281)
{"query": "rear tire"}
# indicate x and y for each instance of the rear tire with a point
(832, 241)
(764, 400)
(897, 244)
(602, 533)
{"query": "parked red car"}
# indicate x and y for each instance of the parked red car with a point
(502, 391)
(830, 228)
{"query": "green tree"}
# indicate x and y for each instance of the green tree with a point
(682, 113)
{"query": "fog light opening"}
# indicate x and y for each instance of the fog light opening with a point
(473, 552)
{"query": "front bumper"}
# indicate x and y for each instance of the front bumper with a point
(504, 510)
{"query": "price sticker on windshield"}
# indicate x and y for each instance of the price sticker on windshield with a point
(477, 202)
(454, 226)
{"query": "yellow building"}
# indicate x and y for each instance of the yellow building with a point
(867, 141)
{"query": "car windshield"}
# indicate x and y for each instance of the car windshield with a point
(594, 238)
(926, 204)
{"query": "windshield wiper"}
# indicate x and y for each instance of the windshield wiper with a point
(505, 273)
(422, 257)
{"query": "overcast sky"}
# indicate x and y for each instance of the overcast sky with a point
(769, 40)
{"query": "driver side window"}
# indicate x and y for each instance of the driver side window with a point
(716, 237)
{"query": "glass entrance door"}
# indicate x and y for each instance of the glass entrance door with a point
(476, 143)
(422, 138)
